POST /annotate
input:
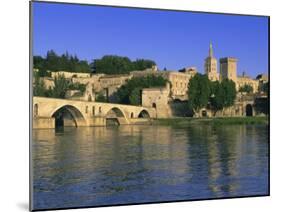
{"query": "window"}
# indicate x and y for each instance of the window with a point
(93, 110)
(86, 109)
(36, 110)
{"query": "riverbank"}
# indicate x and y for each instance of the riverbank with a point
(215, 121)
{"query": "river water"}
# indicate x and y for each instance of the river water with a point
(78, 167)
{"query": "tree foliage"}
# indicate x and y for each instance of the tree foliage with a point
(39, 87)
(265, 87)
(198, 91)
(55, 62)
(130, 93)
(217, 96)
(100, 97)
(203, 93)
(77, 86)
(135, 96)
(142, 64)
(246, 88)
(113, 64)
(60, 88)
(223, 94)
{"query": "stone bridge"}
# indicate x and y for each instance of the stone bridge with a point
(52, 112)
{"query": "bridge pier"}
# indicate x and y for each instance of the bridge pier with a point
(43, 123)
(96, 121)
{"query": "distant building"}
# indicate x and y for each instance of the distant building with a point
(247, 80)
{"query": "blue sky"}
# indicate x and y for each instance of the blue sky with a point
(172, 39)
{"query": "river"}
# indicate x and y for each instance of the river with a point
(80, 167)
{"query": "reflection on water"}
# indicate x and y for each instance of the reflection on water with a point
(134, 164)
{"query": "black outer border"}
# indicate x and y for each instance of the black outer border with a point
(31, 103)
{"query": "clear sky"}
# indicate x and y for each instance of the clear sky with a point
(172, 39)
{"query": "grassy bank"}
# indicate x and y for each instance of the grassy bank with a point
(216, 121)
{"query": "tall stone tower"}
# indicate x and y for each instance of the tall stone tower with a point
(228, 68)
(211, 65)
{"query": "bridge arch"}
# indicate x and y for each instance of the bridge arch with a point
(68, 115)
(249, 110)
(115, 112)
(35, 109)
(144, 114)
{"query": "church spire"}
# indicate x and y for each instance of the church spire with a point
(211, 50)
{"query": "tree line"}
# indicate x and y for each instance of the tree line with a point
(55, 62)
(113, 64)
(108, 64)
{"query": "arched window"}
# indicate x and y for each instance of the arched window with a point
(249, 110)
(154, 105)
(99, 109)
(89, 98)
(132, 115)
(93, 110)
(36, 110)
(86, 109)
(204, 113)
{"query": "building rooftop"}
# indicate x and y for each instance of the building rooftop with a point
(225, 59)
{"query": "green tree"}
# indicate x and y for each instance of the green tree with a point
(100, 97)
(246, 88)
(39, 87)
(229, 89)
(113, 64)
(222, 95)
(135, 96)
(77, 86)
(141, 64)
(129, 93)
(217, 96)
(64, 62)
(199, 90)
(265, 87)
(61, 85)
